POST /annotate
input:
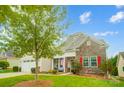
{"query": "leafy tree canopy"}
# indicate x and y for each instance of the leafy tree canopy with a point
(32, 29)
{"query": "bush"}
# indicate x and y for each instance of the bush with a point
(4, 64)
(103, 67)
(50, 71)
(54, 71)
(76, 67)
(32, 70)
(19, 69)
(15, 69)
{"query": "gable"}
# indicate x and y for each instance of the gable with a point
(122, 54)
(76, 40)
(120, 60)
(90, 48)
(89, 42)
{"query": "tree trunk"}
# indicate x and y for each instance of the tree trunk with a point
(107, 75)
(37, 68)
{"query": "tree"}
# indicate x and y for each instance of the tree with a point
(106, 67)
(32, 30)
(109, 67)
(113, 61)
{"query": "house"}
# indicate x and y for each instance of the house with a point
(88, 50)
(7, 56)
(28, 62)
(120, 64)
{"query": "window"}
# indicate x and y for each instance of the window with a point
(123, 69)
(90, 61)
(93, 61)
(88, 43)
(85, 61)
(32, 60)
(28, 60)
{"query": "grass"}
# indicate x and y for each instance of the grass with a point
(6, 71)
(63, 81)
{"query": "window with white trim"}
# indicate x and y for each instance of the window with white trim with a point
(90, 61)
(93, 60)
(29, 61)
(86, 61)
(32, 60)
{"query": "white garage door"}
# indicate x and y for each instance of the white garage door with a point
(26, 66)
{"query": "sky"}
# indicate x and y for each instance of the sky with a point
(104, 22)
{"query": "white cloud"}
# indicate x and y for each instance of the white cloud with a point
(118, 17)
(107, 33)
(85, 17)
(120, 6)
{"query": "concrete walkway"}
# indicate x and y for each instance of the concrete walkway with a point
(6, 75)
(63, 74)
(69, 73)
(13, 74)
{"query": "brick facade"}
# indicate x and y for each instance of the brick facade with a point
(94, 49)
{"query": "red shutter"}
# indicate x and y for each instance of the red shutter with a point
(99, 60)
(81, 59)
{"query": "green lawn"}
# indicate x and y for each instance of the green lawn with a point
(6, 71)
(64, 81)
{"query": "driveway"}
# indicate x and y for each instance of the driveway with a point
(6, 75)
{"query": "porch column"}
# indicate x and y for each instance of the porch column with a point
(52, 64)
(64, 65)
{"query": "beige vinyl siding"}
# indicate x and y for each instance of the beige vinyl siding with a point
(13, 61)
(121, 66)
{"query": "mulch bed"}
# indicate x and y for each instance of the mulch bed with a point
(94, 76)
(101, 77)
(35, 83)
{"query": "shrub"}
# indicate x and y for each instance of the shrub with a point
(75, 67)
(32, 70)
(54, 71)
(19, 69)
(50, 71)
(103, 67)
(15, 69)
(4, 64)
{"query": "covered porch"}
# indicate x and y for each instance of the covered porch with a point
(62, 64)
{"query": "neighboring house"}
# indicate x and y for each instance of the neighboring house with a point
(7, 56)
(28, 62)
(88, 50)
(120, 64)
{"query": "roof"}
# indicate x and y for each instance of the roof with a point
(76, 40)
(122, 54)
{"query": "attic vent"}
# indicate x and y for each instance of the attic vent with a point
(88, 43)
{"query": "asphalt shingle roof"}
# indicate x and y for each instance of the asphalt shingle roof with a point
(122, 54)
(76, 40)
